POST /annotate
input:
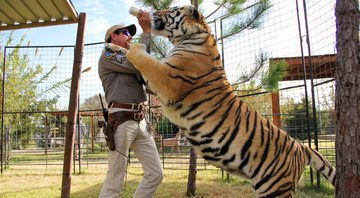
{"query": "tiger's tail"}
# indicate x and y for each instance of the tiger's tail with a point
(322, 165)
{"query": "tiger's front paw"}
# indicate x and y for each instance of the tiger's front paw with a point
(135, 52)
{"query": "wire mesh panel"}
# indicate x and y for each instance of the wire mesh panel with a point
(37, 87)
(277, 36)
(37, 84)
(322, 34)
(40, 74)
(283, 36)
(90, 84)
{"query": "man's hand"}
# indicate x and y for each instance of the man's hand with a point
(144, 21)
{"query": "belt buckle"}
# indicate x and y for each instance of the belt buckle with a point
(140, 107)
(138, 116)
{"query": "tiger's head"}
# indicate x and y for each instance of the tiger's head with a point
(179, 23)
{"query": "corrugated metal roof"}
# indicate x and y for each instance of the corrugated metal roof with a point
(17, 14)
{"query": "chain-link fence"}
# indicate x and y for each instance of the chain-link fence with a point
(36, 91)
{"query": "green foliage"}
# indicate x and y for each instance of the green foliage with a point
(295, 120)
(160, 47)
(166, 128)
(248, 93)
(22, 82)
(231, 6)
(326, 116)
(196, 2)
(249, 76)
(239, 22)
(157, 4)
(277, 71)
(93, 103)
(261, 77)
(234, 180)
(308, 191)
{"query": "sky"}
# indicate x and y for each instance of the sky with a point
(100, 15)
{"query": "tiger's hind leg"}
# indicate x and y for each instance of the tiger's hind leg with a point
(279, 193)
(280, 185)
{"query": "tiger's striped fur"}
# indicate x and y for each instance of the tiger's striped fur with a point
(197, 96)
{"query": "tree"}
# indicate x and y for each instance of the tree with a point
(295, 123)
(347, 101)
(261, 78)
(93, 103)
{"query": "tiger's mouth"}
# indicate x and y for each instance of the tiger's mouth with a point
(158, 23)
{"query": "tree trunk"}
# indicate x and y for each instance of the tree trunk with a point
(191, 186)
(347, 103)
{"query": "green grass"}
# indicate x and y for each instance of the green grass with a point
(51, 156)
(324, 191)
(29, 181)
(35, 182)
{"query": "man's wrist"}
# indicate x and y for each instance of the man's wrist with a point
(147, 31)
(146, 34)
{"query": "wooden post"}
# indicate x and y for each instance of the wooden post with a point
(276, 109)
(46, 140)
(191, 185)
(2, 111)
(92, 129)
(73, 106)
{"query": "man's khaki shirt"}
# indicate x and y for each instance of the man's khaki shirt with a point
(120, 80)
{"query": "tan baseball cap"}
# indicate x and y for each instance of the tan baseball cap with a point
(131, 28)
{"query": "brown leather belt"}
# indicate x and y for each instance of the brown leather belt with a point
(117, 118)
(123, 116)
(137, 107)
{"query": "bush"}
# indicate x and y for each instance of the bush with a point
(166, 128)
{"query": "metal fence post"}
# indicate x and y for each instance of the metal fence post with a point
(312, 87)
(305, 87)
(2, 111)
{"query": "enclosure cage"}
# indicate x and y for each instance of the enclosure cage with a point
(36, 87)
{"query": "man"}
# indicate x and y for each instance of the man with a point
(124, 92)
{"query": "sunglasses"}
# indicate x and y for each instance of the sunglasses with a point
(123, 31)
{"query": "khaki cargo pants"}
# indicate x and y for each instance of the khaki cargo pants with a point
(133, 134)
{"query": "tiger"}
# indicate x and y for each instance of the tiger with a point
(196, 96)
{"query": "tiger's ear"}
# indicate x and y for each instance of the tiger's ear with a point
(195, 13)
